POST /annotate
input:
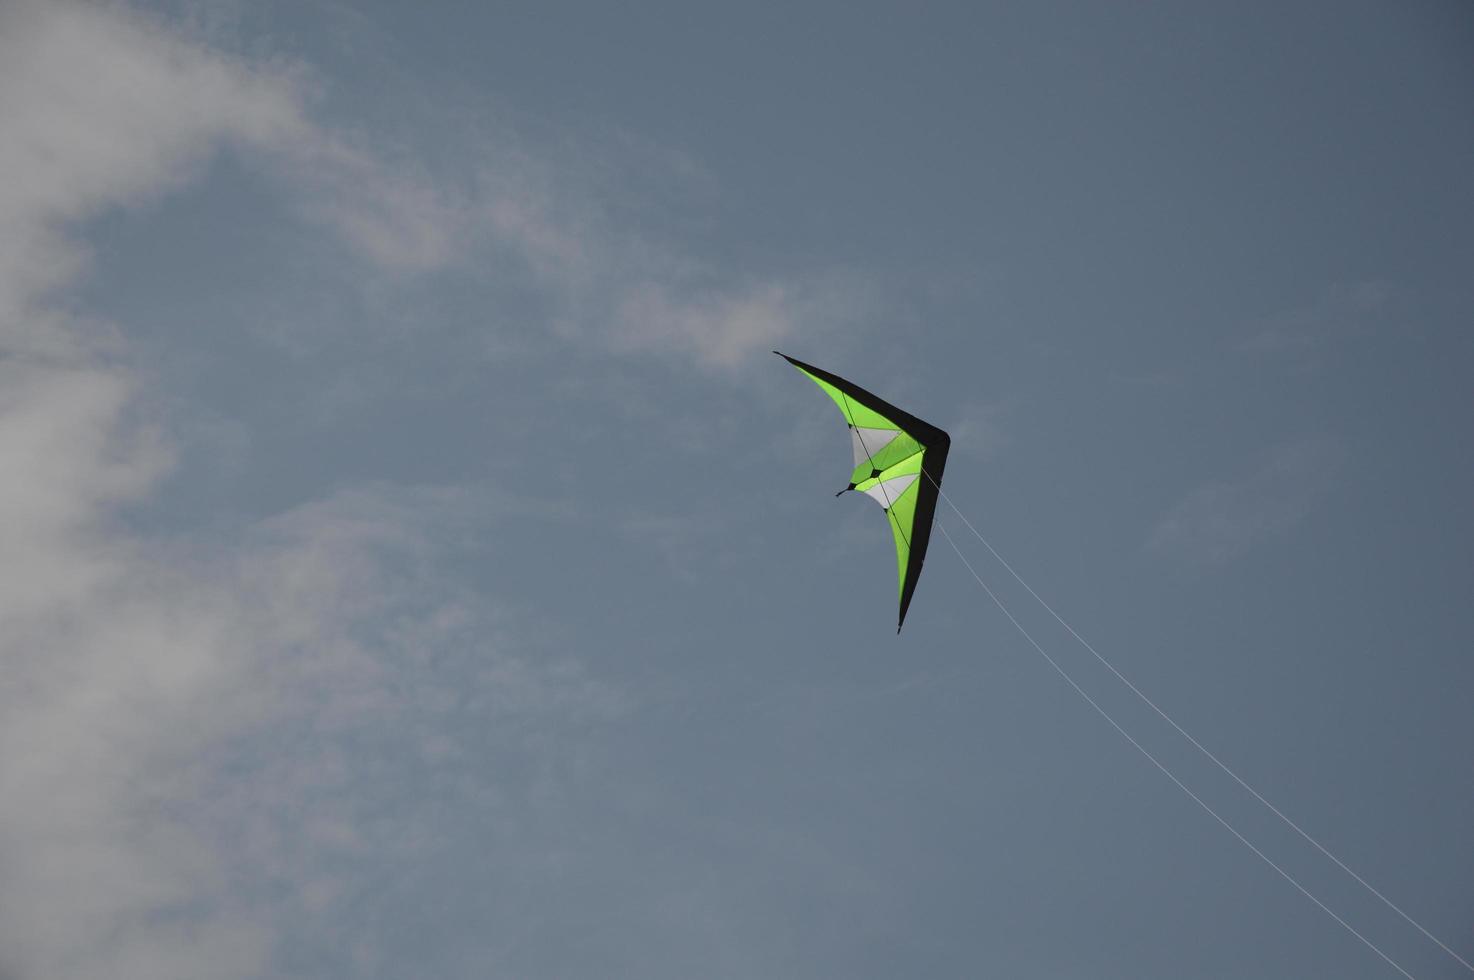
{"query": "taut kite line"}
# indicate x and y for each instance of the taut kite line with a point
(898, 464)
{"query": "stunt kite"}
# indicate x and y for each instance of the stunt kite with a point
(898, 464)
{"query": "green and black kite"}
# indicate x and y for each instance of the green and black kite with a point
(898, 464)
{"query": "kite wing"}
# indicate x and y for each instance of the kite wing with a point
(898, 464)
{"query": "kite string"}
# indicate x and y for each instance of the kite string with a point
(1154, 761)
(1195, 743)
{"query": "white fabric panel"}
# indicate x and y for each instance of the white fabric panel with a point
(872, 439)
(885, 492)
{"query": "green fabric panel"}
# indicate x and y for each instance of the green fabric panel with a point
(854, 414)
(862, 479)
(902, 516)
(911, 464)
(901, 447)
(903, 554)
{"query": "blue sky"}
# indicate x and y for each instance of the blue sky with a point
(416, 564)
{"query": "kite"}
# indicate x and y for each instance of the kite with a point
(898, 464)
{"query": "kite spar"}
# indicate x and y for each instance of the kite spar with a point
(898, 464)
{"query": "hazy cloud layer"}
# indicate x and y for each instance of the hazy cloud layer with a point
(191, 732)
(1223, 519)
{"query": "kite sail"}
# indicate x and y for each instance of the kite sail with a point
(898, 464)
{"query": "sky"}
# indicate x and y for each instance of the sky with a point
(414, 563)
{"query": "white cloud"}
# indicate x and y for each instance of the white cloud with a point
(1222, 520)
(153, 106)
(183, 725)
(721, 330)
(192, 734)
(631, 292)
(396, 218)
(103, 108)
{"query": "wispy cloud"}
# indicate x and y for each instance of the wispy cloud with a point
(395, 216)
(197, 737)
(631, 292)
(1222, 520)
(193, 733)
(154, 106)
(146, 115)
